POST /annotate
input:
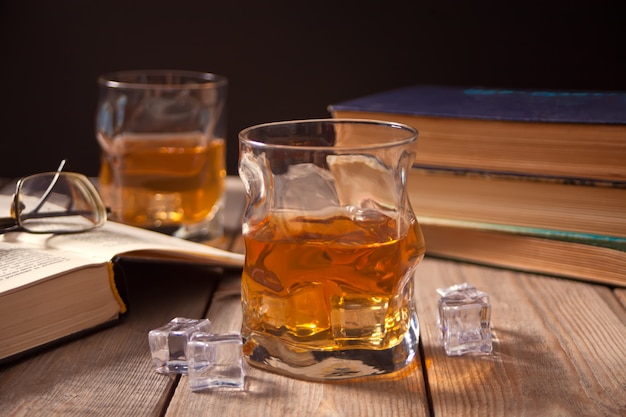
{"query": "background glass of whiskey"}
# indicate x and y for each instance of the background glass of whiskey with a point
(162, 140)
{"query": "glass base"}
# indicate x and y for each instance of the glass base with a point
(209, 228)
(212, 227)
(268, 353)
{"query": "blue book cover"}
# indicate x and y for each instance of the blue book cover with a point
(591, 107)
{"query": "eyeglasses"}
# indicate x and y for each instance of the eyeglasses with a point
(55, 202)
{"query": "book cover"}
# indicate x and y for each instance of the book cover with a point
(595, 107)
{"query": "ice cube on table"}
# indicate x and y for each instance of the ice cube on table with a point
(465, 320)
(168, 344)
(215, 361)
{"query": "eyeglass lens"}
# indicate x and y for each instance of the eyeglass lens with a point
(71, 205)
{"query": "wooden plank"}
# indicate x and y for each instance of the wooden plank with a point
(267, 394)
(110, 372)
(560, 346)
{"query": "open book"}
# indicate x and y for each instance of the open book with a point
(52, 286)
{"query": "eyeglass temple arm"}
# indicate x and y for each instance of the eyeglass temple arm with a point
(54, 181)
(7, 223)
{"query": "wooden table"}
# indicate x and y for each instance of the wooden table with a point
(559, 350)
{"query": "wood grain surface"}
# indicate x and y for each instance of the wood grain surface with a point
(559, 350)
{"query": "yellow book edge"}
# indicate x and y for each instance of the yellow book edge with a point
(114, 288)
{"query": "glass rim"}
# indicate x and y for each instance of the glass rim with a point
(204, 80)
(410, 137)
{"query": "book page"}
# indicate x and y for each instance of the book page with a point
(102, 244)
(22, 265)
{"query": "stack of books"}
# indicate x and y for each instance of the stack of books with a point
(529, 180)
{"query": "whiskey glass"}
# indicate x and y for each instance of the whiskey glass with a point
(162, 139)
(331, 248)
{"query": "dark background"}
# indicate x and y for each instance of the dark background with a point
(284, 59)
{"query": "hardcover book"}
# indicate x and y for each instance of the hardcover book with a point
(516, 201)
(55, 286)
(573, 134)
(560, 253)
